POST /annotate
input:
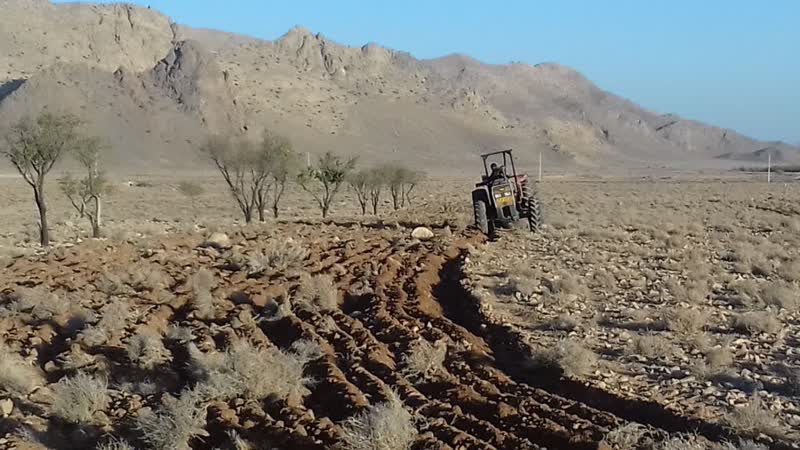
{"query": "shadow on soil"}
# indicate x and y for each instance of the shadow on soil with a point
(462, 307)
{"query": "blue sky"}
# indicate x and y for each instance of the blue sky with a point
(732, 63)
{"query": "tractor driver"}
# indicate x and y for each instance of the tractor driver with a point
(497, 172)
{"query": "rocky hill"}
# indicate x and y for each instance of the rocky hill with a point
(154, 89)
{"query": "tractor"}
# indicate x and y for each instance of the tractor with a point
(500, 199)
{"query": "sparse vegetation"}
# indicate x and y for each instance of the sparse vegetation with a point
(202, 300)
(569, 356)
(317, 293)
(651, 346)
(175, 424)
(280, 257)
(191, 190)
(385, 426)
(147, 351)
(756, 322)
(686, 321)
(17, 377)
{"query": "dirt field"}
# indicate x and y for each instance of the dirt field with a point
(649, 314)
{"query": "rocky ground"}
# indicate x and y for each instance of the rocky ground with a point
(647, 315)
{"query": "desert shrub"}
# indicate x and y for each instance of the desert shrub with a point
(175, 424)
(147, 351)
(385, 426)
(17, 377)
(651, 346)
(691, 292)
(626, 437)
(782, 295)
(251, 372)
(280, 257)
(685, 321)
(572, 358)
(324, 180)
(748, 292)
(790, 270)
(115, 444)
(202, 300)
(77, 399)
(191, 190)
(425, 360)
(744, 445)
(682, 442)
(564, 322)
(180, 334)
(756, 322)
(317, 293)
(719, 357)
(40, 303)
(145, 277)
(563, 287)
(753, 418)
(113, 320)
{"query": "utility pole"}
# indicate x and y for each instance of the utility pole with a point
(769, 167)
(308, 159)
(540, 167)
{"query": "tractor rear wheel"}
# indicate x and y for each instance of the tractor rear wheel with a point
(481, 218)
(534, 213)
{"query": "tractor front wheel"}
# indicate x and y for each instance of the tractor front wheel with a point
(481, 218)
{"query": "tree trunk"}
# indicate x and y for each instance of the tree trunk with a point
(44, 231)
(96, 218)
(261, 217)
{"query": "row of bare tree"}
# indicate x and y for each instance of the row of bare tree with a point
(256, 173)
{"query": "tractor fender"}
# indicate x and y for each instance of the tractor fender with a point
(481, 194)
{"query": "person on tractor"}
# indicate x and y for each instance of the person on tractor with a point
(498, 172)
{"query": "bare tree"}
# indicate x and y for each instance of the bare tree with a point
(191, 190)
(89, 191)
(280, 163)
(34, 146)
(324, 180)
(243, 168)
(360, 182)
(375, 184)
(412, 179)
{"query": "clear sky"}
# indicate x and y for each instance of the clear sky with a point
(731, 63)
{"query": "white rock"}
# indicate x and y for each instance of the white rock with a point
(219, 240)
(6, 407)
(422, 233)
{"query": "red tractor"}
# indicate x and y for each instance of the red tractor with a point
(500, 199)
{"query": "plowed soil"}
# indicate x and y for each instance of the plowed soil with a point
(393, 291)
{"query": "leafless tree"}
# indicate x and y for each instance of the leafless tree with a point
(34, 146)
(280, 162)
(242, 167)
(360, 182)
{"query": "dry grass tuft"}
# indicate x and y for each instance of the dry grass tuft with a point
(753, 418)
(626, 437)
(250, 372)
(744, 445)
(317, 294)
(385, 426)
(78, 399)
(202, 300)
(685, 321)
(426, 360)
(176, 423)
(569, 356)
(756, 322)
(279, 258)
(115, 444)
(651, 347)
(782, 295)
(113, 320)
(147, 351)
(17, 377)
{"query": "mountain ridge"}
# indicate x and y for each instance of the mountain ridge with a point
(380, 103)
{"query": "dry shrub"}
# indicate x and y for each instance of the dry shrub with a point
(17, 377)
(651, 347)
(782, 295)
(561, 287)
(564, 322)
(113, 320)
(748, 292)
(202, 300)
(280, 257)
(682, 442)
(426, 360)
(686, 321)
(146, 277)
(752, 419)
(719, 358)
(692, 292)
(569, 356)
(147, 351)
(756, 322)
(77, 399)
(626, 437)
(250, 372)
(176, 423)
(317, 293)
(115, 444)
(744, 445)
(385, 426)
(790, 270)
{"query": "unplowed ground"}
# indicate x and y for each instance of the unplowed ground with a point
(393, 291)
